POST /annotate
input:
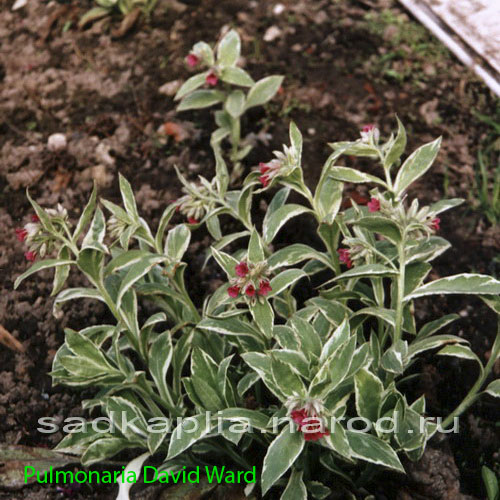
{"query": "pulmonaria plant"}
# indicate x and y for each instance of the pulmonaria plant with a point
(264, 371)
(226, 84)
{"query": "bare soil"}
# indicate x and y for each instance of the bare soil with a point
(346, 63)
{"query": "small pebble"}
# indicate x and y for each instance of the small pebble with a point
(57, 142)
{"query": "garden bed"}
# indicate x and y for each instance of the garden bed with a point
(345, 64)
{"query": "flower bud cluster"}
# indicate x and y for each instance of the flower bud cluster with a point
(252, 280)
(38, 241)
(283, 165)
(196, 202)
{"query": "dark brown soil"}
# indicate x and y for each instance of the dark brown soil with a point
(342, 69)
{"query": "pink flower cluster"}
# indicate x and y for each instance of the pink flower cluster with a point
(242, 271)
(22, 233)
(373, 205)
(268, 171)
(435, 223)
(310, 425)
(345, 257)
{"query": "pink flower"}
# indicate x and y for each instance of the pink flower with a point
(241, 269)
(264, 179)
(30, 256)
(192, 220)
(310, 426)
(250, 290)
(373, 205)
(368, 128)
(345, 257)
(298, 416)
(264, 288)
(192, 60)
(233, 291)
(21, 233)
(212, 79)
(35, 218)
(435, 223)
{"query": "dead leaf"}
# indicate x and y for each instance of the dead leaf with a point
(10, 341)
(61, 180)
(175, 130)
(14, 458)
(127, 23)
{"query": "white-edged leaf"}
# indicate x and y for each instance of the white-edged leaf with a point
(295, 489)
(263, 91)
(416, 165)
(191, 84)
(280, 456)
(476, 284)
(236, 76)
(346, 174)
(372, 449)
(279, 218)
(493, 388)
(189, 431)
(285, 279)
(200, 99)
(135, 466)
(177, 242)
(229, 49)
(38, 266)
(368, 270)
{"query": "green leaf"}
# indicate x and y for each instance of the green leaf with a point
(133, 467)
(367, 270)
(286, 379)
(338, 337)
(61, 272)
(296, 139)
(189, 431)
(284, 280)
(229, 49)
(328, 199)
(416, 165)
(476, 284)
(337, 440)
(86, 214)
(177, 242)
(397, 148)
(443, 205)
(235, 103)
(346, 174)
(381, 225)
(103, 449)
(433, 326)
(255, 248)
(42, 215)
(135, 273)
(92, 15)
(254, 418)
(200, 99)
(263, 315)
(460, 351)
(191, 84)
(280, 456)
(368, 389)
(295, 489)
(491, 483)
(43, 264)
(228, 326)
(428, 343)
(225, 261)
(128, 199)
(493, 388)
(293, 254)
(236, 76)
(279, 218)
(95, 235)
(309, 339)
(160, 357)
(372, 449)
(263, 91)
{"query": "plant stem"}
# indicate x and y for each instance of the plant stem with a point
(472, 395)
(401, 289)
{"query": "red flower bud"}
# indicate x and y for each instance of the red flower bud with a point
(21, 233)
(264, 168)
(250, 290)
(212, 79)
(30, 256)
(373, 205)
(233, 291)
(35, 218)
(192, 60)
(368, 128)
(435, 223)
(264, 179)
(345, 257)
(192, 220)
(241, 269)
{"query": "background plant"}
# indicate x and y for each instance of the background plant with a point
(124, 7)
(228, 82)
